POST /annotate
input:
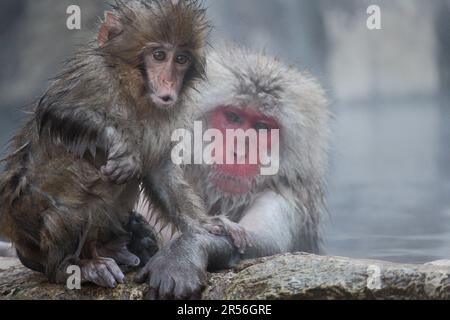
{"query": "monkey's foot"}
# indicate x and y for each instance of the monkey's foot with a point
(119, 252)
(102, 271)
(222, 226)
(143, 242)
(171, 276)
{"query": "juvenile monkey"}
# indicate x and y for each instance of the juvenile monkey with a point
(278, 213)
(101, 129)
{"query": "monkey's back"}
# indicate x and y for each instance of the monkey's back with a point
(49, 194)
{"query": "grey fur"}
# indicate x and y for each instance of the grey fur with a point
(282, 213)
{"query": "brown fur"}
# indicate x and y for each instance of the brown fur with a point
(53, 197)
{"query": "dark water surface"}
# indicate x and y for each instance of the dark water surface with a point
(389, 185)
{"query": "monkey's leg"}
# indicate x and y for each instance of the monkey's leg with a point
(70, 237)
(110, 249)
(65, 251)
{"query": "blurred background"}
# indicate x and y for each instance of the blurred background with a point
(389, 181)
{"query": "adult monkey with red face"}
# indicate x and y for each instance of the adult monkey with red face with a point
(278, 213)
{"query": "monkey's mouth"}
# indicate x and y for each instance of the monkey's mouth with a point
(163, 101)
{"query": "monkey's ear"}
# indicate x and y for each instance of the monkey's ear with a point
(109, 29)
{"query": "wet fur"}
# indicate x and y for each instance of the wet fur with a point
(53, 197)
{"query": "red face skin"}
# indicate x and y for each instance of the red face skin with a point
(236, 179)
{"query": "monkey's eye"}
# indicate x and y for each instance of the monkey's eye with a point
(182, 59)
(232, 117)
(159, 55)
(261, 126)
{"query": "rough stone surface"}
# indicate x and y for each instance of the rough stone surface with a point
(290, 276)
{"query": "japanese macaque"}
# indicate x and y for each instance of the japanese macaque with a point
(100, 131)
(277, 213)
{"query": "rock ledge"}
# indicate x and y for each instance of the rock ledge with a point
(289, 276)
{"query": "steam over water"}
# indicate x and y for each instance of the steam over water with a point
(389, 186)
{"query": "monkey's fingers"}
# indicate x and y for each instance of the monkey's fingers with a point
(119, 253)
(216, 230)
(142, 275)
(154, 284)
(174, 286)
(126, 258)
(117, 150)
(111, 169)
(114, 270)
(114, 173)
(102, 272)
(120, 171)
(171, 278)
(166, 289)
(239, 237)
(143, 248)
(107, 169)
(188, 290)
(105, 278)
(225, 227)
(124, 178)
(91, 274)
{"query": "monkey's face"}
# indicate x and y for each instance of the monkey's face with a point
(161, 40)
(166, 67)
(237, 177)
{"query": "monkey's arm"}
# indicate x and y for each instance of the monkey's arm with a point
(273, 226)
(177, 201)
(82, 128)
(179, 269)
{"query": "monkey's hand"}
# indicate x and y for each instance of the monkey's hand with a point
(222, 226)
(120, 253)
(173, 273)
(102, 271)
(124, 161)
(143, 242)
